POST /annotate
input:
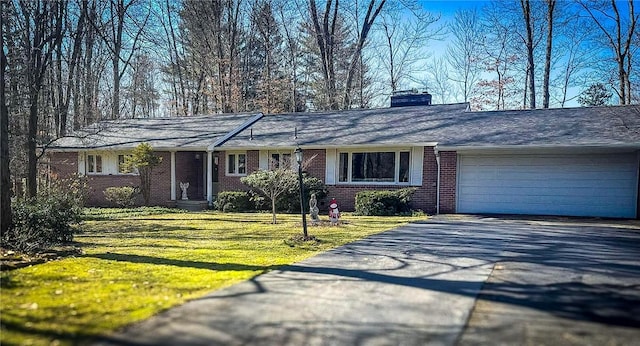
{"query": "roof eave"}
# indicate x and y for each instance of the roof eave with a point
(591, 147)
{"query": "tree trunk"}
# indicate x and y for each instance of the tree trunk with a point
(324, 39)
(32, 159)
(5, 173)
(526, 11)
(273, 210)
(551, 4)
(369, 18)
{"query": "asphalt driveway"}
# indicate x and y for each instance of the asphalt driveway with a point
(450, 280)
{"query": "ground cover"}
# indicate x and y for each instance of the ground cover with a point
(138, 262)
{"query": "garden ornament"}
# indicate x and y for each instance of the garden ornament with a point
(184, 187)
(334, 213)
(313, 209)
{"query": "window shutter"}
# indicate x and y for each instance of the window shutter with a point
(417, 160)
(263, 157)
(330, 174)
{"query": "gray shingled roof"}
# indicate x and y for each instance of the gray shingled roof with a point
(387, 126)
(186, 133)
(448, 125)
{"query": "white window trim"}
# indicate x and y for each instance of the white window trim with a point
(110, 163)
(396, 178)
(226, 168)
(102, 167)
(293, 164)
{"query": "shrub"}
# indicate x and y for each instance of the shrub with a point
(290, 201)
(233, 201)
(47, 220)
(384, 202)
(122, 196)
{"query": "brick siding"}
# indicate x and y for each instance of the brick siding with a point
(424, 198)
(190, 167)
(65, 165)
(232, 182)
(448, 169)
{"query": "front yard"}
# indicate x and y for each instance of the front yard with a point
(138, 263)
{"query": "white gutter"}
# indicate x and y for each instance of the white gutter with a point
(577, 147)
(437, 153)
(339, 146)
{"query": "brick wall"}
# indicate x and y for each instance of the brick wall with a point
(65, 165)
(232, 183)
(448, 169)
(191, 168)
(424, 198)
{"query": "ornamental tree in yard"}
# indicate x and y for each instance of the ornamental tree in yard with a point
(273, 183)
(143, 160)
(276, 182)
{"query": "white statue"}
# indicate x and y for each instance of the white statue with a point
(313, 209)
(184, 187)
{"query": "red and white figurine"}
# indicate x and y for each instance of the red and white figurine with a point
(334, 213)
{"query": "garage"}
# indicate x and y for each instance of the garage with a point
(604, 184)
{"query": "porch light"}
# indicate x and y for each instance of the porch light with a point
(298, 153)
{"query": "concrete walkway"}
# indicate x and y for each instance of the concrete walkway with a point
(451, 280)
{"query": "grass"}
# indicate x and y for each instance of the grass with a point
(138, 262)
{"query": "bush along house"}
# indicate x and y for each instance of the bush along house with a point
(569, 161)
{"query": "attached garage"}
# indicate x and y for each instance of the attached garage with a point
(604, 184)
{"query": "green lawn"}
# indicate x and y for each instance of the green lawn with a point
(137, 263)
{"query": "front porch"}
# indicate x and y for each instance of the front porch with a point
(200, 170)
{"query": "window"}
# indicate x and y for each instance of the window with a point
(236, 164)
(94, 164)
(279, 159)
(374, 167)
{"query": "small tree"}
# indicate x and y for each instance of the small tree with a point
(596, 95)
(276, 182)
(143, 160)
(273, 183)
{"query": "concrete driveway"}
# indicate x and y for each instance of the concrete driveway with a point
(451, 280)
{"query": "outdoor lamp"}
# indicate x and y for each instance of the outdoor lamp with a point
(298, 153)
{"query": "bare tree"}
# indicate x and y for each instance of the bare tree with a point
(403, 36)
(438, 80)
(618, 35)
(324, 29)
(5, 173)
(551, 8)
(122, 28)
(41, 27)
(465, 51)
(531, 76)
(373, 11)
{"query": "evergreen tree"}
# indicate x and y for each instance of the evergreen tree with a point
(596, 95)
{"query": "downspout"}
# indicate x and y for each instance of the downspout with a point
(210, 176)
(437, 153)
(173, 175)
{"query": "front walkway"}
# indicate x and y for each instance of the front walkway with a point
(418, 284)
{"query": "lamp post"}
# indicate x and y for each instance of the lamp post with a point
(298, 153)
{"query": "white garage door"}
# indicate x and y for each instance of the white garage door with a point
(577, 185)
